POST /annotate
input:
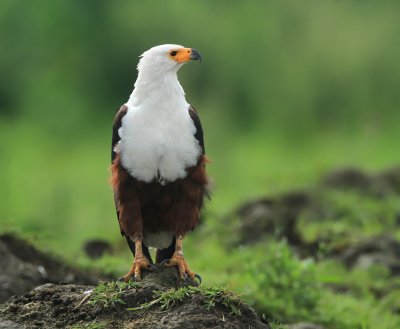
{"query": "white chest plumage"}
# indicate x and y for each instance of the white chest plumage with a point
(158, 143)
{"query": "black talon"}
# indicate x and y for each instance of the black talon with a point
(121, 279)
(198, 277)
(162, 263)
(152, 267)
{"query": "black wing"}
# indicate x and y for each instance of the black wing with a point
(199, 129)
(117, 124)
(115, 139)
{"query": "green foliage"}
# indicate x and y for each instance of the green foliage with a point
(108, 294)
(286, 289)
(218, 295)
(171, 297)
(338, 311)
(348, 216)
(283, 287)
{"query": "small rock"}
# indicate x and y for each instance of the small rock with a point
(272, 216)
(45, 287)
(13, 307)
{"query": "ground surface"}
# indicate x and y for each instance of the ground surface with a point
(23, 268)
(306, 258)
(79, 306)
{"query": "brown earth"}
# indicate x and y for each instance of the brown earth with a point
(72, 306)
(23, 267)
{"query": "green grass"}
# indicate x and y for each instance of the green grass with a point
(212, 296)
(350, 216)
(108, 294)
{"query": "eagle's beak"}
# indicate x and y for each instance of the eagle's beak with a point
(195, 55)
(185, 55)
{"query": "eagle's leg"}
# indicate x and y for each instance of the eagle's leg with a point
(140, 262)
(178, 260)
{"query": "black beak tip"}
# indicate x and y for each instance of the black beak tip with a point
(195, 55)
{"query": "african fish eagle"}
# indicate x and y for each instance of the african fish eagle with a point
(158, 164)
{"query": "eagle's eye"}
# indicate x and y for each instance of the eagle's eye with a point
(173, 53)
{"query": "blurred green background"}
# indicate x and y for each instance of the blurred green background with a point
(287, 90)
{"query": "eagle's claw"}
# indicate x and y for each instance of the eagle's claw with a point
(152, 268)
(163, 262)
(140, 263)
(198, 277)
(183, 268)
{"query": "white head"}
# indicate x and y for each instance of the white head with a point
(166, 58)
(157, 79)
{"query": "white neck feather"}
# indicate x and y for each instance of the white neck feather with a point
(155, 88)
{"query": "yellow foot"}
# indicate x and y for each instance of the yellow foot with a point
(178, 260)
(138, 265)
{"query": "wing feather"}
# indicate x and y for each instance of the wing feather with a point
(117, 124)
(114, 141)
(199, 129)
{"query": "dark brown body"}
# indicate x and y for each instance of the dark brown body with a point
(153, 207)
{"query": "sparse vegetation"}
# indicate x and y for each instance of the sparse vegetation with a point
(108, 294)
(217, 295)
(212, 296)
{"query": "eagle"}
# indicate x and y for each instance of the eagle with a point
(158, 163)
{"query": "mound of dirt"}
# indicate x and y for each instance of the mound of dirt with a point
(281, 217)
(381, 249)
(96, 248)
(348, 178)
(273, 216)
(23, 267)
(82, 306)
(380, 184)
